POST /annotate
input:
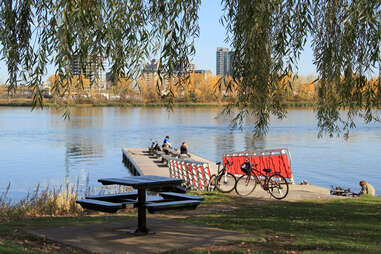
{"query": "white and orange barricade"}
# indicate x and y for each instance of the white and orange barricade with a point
(195, 173)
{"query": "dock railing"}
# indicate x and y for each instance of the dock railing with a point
(196, 173)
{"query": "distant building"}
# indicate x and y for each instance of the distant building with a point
(92, 68)
(182, 68)
(202, 71)
(224, 59)
(153, 66)
(150, 75)
(150, 72)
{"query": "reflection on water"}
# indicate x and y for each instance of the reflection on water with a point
(41, 147)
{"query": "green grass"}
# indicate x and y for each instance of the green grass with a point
(340, 226)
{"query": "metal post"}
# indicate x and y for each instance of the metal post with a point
(142, 229)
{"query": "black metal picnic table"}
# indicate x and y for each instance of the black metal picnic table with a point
(142, 183)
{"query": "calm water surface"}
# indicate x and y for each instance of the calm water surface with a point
(39, 147)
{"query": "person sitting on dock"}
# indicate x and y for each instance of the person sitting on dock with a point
(166, 143)
(184, 150)
(367, 188)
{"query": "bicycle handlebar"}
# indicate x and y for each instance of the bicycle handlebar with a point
(227, 163)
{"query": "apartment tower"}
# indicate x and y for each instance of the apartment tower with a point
(224, 59)
(92, 68)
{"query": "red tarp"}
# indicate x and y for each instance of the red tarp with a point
(277, 160)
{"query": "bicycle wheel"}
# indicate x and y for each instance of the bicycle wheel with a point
(225, 183)
(212, 183)
(278, 186)
(245, 185)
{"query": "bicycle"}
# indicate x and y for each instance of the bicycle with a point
(275, 184)
(224, 181)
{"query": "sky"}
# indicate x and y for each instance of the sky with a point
(212, 35)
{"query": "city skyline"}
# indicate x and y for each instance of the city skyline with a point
(212, 36)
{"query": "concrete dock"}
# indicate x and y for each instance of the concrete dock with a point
(114, 237)
(140, 162)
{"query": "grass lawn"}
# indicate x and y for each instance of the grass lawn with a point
(341, 226)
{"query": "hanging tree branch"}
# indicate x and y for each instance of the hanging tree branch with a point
(267, 38)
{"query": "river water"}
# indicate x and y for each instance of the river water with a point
(40, 147)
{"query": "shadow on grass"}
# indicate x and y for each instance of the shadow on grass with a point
(350, 225)
(339, 226)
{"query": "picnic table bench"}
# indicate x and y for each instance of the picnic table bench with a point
(171, 205)
(111, 203)
(115, 197)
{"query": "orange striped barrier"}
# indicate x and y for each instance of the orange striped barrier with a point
(195, 173)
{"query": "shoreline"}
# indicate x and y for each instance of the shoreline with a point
(148, 105)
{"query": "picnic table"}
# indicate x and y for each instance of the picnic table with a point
(168, 200)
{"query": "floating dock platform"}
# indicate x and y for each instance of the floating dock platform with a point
(140, 162)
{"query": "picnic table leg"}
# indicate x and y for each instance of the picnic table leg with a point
(142, 217)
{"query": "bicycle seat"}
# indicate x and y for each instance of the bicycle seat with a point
(218, 163)
(267, 170)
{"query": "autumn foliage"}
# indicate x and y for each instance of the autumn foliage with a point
(195, 88)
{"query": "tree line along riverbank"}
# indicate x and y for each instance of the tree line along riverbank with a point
(25, 102)
(197, 90)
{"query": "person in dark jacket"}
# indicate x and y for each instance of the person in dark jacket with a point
(184, 150)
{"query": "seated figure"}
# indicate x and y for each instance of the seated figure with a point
(367, 188)
(166, 143)
(184, 150)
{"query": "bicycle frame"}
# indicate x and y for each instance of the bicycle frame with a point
(257, 173)
(223, 170)
(275, 184)
(224, 181)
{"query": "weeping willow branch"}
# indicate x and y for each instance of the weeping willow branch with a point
(267, 38)
(36, 33)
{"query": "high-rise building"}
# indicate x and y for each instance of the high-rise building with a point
(184, 68)
(224, 59)
(150, 72)
(92, 67)
(150, 75)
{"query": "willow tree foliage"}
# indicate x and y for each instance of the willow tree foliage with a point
(267, 37)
